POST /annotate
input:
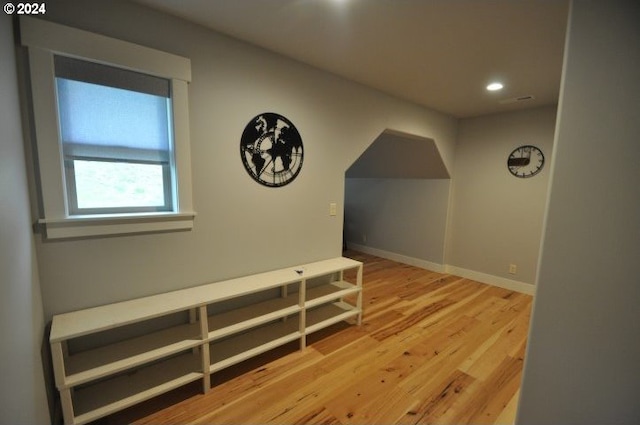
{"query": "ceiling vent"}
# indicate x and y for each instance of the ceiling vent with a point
(517, 99)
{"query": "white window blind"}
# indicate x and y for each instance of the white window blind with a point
(111, 131)
(116, 138)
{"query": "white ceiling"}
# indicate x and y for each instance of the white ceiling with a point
(437, 53)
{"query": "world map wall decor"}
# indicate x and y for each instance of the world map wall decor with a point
(271, 150)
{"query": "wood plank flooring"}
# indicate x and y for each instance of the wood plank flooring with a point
(433, 348)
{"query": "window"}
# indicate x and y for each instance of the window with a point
(116, 138)
(111, 133)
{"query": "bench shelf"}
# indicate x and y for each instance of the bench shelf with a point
(102, 379)
(104, 397)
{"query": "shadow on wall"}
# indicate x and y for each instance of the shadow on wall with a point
(396, 197)
(397, 155)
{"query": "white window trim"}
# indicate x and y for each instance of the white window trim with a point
(44, 39)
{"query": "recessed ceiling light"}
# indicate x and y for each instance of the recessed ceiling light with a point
(495, 86)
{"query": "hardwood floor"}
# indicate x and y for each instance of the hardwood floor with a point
(433, 348)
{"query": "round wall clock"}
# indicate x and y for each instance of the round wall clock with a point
(525, 161)
(271, 150)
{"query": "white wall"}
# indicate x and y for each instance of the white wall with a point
(22, 390)
(582, 364)
(496, 218)
(405, 217)
(241, 227)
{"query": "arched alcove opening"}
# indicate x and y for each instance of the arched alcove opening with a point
(396, 200)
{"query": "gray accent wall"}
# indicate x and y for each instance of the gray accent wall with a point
(400, 216)
(582, 364)
(23, 399)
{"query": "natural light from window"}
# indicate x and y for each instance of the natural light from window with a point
(111, 134)
(116, 141)
(101, 184)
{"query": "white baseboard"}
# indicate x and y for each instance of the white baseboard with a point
(512, 285)
(404, 259)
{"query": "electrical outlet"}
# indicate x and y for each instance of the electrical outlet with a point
(333, 209)
(513, 269)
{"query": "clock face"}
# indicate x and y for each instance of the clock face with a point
(271, 150)
(525, 161)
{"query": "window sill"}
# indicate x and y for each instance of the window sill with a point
(112, 225)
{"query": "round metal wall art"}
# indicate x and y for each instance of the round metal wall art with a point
(271, 150)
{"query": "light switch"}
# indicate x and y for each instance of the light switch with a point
(333, 209)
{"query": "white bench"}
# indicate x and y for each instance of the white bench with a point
(99, 381)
